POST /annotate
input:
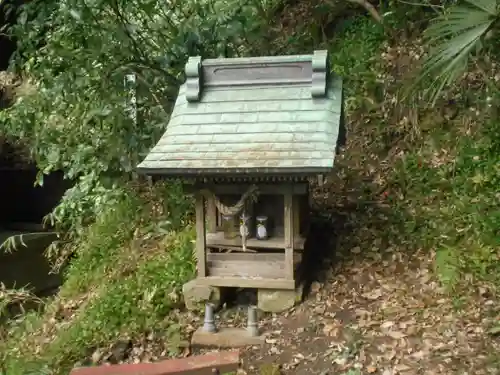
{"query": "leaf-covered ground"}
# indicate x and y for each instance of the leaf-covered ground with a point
(384, 317)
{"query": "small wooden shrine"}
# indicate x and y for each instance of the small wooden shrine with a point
(248, 134)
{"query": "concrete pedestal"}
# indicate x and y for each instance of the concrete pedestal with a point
(226, 338)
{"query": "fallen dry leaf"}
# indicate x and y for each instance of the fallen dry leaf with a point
(396, 335)
(373, 295)
(386, 325)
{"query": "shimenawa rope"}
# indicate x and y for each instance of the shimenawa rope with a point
(250, 196)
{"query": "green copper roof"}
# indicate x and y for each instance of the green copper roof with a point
(252, 115)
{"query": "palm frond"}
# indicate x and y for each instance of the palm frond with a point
(489, 6)
(453, 37)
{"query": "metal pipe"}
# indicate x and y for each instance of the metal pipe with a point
(252, 325)
(208, 324)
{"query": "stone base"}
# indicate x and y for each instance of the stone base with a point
(196, 295)
(226, 338)
(272, 300)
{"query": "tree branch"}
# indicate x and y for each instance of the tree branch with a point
(369, 8)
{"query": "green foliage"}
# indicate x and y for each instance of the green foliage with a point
(454, 36)
(444, 191)
(455, 203)
(76, 55)
(102, 244)
(19, 297)
(354, 52)
(136, 302)
(127, 278)
(447, 267)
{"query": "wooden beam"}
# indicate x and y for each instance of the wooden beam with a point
(289, 233)
(217, 240)
(211, 215)
(301, 188)
(260, 265)
(246, 257)
(200, 236)
(246, 282)
(296, 216)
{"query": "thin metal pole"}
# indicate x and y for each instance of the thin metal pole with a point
(252, 325)
(208, 324)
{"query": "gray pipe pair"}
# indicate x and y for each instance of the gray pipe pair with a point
(209, 322)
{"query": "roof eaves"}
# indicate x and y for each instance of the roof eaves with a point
(183, 172)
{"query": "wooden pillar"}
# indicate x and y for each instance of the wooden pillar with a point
(296, 215)
(289, 233)
(211, 216)
(200, 236)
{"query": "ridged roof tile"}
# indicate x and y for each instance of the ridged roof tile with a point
(261, 115)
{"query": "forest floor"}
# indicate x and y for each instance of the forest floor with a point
(384, 312)
(383, 317)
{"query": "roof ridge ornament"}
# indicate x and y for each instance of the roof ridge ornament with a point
(193, 79)
(320, 71)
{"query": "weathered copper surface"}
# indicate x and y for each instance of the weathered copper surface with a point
(252, 115)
